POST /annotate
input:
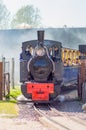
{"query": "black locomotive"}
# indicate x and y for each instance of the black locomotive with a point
(41, 69)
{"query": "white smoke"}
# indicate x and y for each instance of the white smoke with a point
(11, 41)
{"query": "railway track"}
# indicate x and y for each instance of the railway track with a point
(51, 117)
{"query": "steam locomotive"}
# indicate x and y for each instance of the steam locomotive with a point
(41, 69)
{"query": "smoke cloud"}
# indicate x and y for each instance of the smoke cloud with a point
(11, 41)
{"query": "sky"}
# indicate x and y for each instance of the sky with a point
(55, 13)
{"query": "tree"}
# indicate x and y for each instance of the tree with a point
(28, 15)
(4, 16)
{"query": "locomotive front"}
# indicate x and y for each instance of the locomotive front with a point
(40, 66)
(37, 70)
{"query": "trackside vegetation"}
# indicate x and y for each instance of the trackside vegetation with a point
(9, 107)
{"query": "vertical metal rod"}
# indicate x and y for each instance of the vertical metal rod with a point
(13, 66)
(1, 80)
(3, 60)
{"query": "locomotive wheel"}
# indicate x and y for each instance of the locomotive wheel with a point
(57, 91)
(24, 91)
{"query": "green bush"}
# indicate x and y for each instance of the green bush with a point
(14, 93)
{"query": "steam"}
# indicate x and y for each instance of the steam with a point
(11, 41)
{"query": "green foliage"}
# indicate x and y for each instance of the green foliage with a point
(4, 16)
(14, 93)
(28, 15)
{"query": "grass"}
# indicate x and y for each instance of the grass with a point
(9, 107)
(14, 93)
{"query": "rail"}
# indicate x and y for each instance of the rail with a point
(53, 118)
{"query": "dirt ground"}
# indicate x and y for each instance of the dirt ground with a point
(20, 124)
(28, 118)
(71, 105)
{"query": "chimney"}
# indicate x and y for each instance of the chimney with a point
(40, 37)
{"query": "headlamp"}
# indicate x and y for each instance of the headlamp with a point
(40, 51)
